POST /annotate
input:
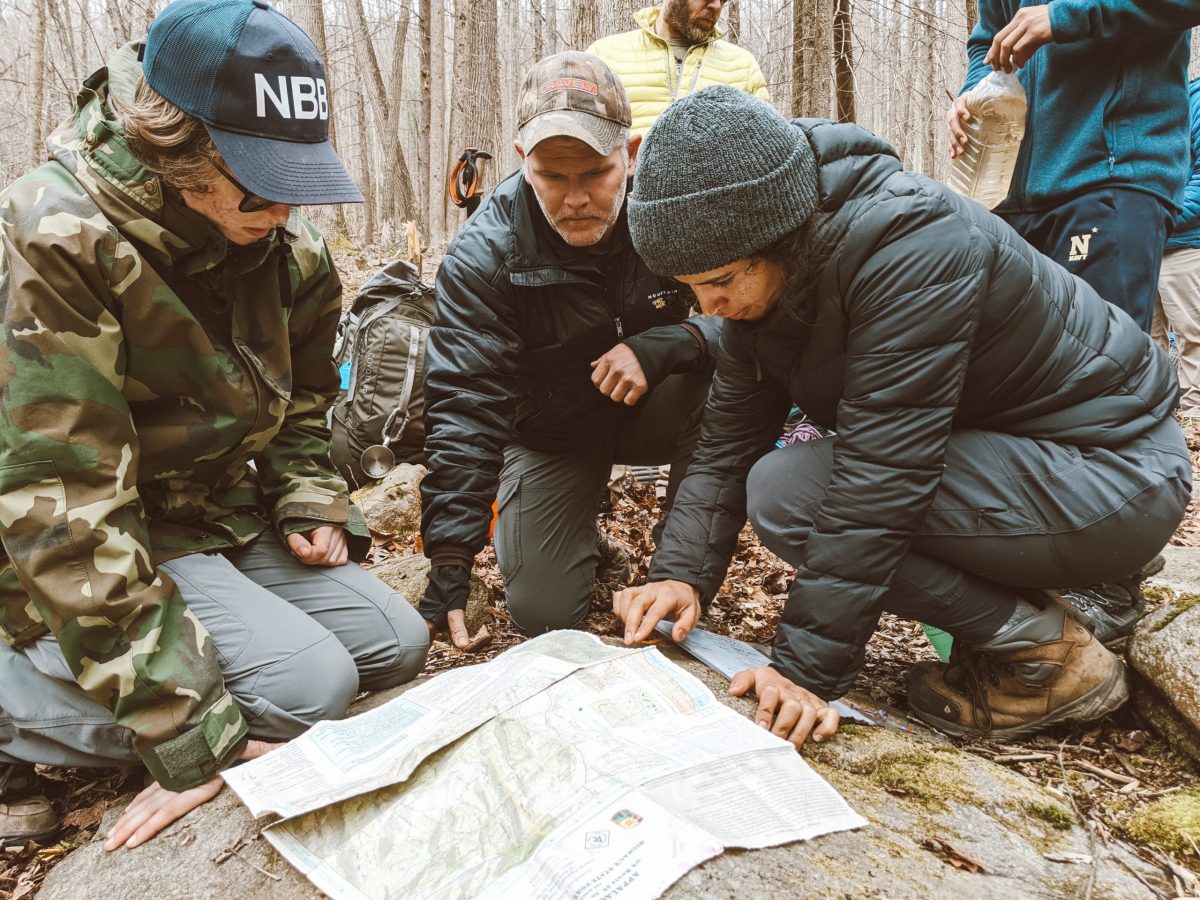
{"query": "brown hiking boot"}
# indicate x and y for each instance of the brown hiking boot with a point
(1044, 670)
(23, 818)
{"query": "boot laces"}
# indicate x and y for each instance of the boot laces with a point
(973, 672)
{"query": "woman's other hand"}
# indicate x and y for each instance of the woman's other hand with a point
(786, 709)
(156, 807)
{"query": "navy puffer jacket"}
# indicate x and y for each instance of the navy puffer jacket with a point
(929, 314)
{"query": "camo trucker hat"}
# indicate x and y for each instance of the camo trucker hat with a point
(576, 95)
(256, 81)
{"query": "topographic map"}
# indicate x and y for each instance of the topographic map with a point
(597, 772)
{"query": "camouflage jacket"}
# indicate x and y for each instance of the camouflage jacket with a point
(162, 392)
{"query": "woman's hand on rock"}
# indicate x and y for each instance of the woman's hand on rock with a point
(155, 808)
(785, 708)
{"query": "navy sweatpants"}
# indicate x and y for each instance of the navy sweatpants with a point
(1113, 238)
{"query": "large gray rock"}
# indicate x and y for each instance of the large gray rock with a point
(913, 790)
(393, 506)
(1182, 571)
(1165, 654)
(408, 575)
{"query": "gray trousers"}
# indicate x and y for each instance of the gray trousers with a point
(294, 642)
(547, 543)
(1010, 512)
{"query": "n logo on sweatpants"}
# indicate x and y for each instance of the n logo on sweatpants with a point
(1079, 247)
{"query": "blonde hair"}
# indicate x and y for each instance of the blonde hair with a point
(166, 140)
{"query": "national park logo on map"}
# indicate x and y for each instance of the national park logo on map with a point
(627, 819)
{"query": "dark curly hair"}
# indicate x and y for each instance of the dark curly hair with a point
(801, 255)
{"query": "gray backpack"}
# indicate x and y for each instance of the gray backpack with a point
(380, 420)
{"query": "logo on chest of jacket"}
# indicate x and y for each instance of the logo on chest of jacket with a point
(1080, 244)
(671, 299)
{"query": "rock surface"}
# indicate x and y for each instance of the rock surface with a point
(1182, 571)
(393, 506)
(1165, 649)
(408, 575)
(911, 789)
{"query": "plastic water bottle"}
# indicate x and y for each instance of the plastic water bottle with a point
(983, 172)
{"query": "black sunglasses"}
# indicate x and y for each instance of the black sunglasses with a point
(250, 201)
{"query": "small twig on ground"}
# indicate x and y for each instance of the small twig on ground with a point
(229, 851)
(1170, 790)
(1102, 772)
(255, 866)
(1022, 757)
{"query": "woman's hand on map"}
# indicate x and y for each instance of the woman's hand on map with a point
(787, 709)
(641, 608)
(155, 807)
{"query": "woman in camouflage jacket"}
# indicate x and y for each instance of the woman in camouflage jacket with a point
(173, 575)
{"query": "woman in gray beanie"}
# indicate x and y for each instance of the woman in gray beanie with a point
(1001, 431)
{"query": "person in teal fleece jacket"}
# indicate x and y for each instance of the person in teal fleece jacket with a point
(1100, 175)
(1179, 284)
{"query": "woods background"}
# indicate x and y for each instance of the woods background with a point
(414, 82)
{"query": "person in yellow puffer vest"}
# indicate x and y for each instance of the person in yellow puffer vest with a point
(674, 51)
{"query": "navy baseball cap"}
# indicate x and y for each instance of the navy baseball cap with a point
(256, 81)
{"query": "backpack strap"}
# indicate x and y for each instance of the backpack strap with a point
(392, 433)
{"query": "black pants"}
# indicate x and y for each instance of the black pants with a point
(1112, 238)
(546, 538)
(1010, 512)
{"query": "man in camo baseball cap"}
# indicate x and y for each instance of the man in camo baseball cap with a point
(577, 95)
(555, 353)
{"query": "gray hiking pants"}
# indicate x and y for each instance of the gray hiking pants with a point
(295, 644)
(1010, 512)
(547, 543)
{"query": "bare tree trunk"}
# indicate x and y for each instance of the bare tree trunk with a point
(550, 17)
(843, 61)
(118, 22)
(733, 21)
(476, 102)
(537, 25)
(39, 83)
(585, 23)
(929, 121)
(972, 15)
(424, 169)
(615, 17)
(366, 183)
(398, 202)
(812, 27)
(310, 16)
(437, 166)
(68, 35)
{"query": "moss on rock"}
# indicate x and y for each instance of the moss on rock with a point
(1171, 822)
(1180, 605)
(1052, 814)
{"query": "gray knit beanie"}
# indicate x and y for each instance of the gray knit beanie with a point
(720, 176)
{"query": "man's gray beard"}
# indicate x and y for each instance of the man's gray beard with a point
(675, 14)
(613, 214)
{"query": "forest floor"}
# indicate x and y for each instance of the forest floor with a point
(1105, 771)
